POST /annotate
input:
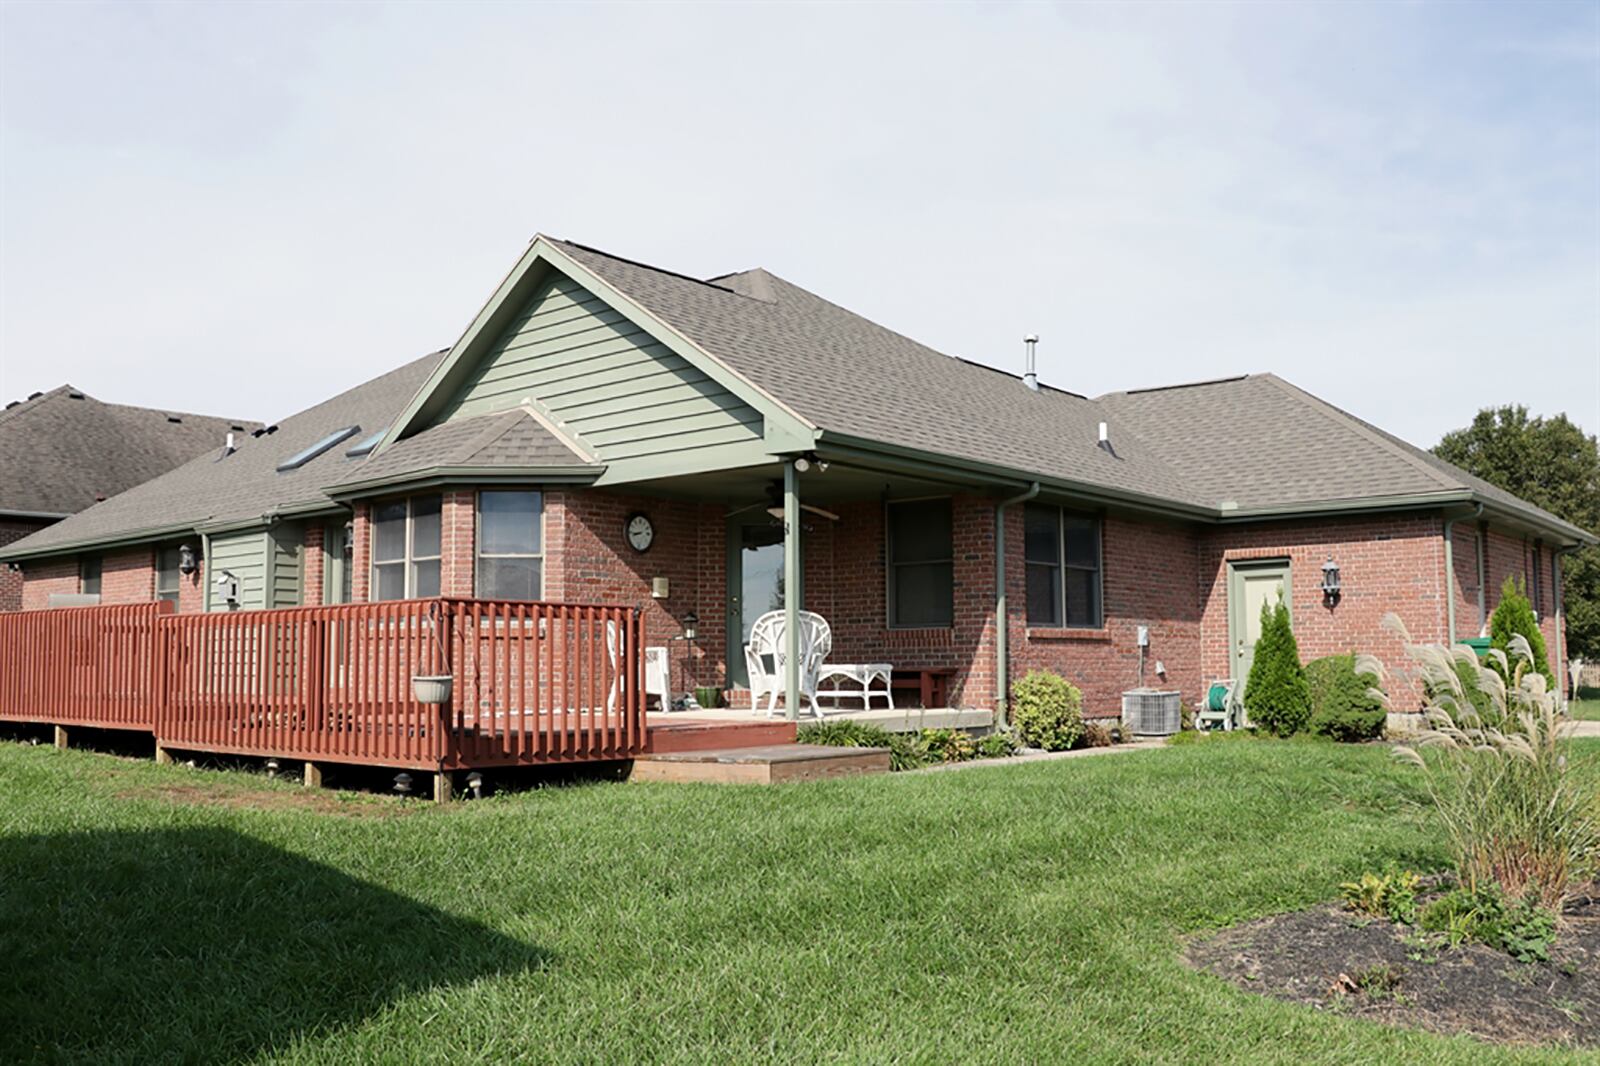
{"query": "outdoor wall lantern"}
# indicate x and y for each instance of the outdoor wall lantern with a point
(187, 563)
(691, 622)
(1330, 583)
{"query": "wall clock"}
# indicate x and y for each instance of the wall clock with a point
(640, 531)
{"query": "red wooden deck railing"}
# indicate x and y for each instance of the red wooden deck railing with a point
(86, 666)
(533, 682)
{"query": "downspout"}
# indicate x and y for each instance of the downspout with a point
(1450, 575)
(1001, 622)
(1480, 541)
(1561, 625)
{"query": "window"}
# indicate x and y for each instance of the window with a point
(405, 548)
(89, 575)
(167, 573)
(1062, 551)
(305, 455)
(366, 444)
(921, 568)
(510, 545)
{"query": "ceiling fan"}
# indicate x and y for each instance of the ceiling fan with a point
(774, 505)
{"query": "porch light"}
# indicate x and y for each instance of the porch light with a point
(475, 783)
(402, 784)
(1330, 582)
(690, 622)
(187, 563)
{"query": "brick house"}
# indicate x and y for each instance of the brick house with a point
(62, 450)
(606, 431)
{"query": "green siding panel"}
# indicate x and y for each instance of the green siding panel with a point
(245, 556)
(603, 379)
(285, 542)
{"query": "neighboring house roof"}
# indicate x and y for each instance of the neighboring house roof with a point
(213, 490)
(1230, 449)
(62, 450)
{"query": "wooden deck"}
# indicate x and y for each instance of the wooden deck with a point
(533, 684)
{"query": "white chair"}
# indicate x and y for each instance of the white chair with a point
(767, 646)
(657, 676)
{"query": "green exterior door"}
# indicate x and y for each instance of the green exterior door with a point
(755, 584)
(1251, 586)
(336, 564)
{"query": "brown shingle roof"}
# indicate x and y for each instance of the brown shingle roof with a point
(63, 449)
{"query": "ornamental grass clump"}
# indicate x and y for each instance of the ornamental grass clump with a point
(1520, 816)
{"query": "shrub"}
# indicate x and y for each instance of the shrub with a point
(908, 751)
(1519, 811)
(1391, 895)
(1275, 695)
(1095, 735)
(1341, 705)
(1522, 929)
(844, 733)
(1513, 617)
(1046, 711)
(998, 745)
(948, 745)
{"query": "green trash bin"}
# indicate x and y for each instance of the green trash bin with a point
(1477, 644)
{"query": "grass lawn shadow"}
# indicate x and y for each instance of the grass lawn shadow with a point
(202, 944)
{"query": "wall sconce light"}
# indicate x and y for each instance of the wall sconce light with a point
(187, 563)
(1330, 583)
(691, 622)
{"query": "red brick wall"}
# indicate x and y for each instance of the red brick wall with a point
(1512, 555)
(315, 565)
(126, 576)
(1387, 563)
(11, 531)
(1148, 579)
(43, 578)
(361, 554)
(457, 536)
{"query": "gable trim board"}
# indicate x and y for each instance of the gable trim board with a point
(569, 301)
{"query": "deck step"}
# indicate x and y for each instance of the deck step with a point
(764, 765)
(671, 734)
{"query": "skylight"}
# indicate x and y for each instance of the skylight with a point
(364, 446)
(301, 458)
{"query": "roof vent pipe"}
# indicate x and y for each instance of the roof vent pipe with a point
(1030, 376)
(229, 443)
(1105, 435)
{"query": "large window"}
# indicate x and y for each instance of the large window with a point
(510, 545)
(89, 575)
(1062, 551)
(167, 574)
(405, 548)
(921, 567)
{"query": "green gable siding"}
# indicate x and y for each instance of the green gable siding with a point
(284, 570)
(245, 556)
(608, 382)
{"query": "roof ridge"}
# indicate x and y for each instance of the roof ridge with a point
(1180, 385)
(1338, 414)
(710, 284)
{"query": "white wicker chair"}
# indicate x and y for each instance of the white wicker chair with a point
(657, 676)
(767, 646)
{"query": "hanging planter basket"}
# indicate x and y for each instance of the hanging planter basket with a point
(435, 689)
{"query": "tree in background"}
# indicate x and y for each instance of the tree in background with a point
(1276, 695)
(1550, 463)
(1513, 615)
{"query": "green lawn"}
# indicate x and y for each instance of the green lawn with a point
(1589, 710)
(1018, 914)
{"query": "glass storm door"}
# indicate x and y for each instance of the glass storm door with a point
(755, 586)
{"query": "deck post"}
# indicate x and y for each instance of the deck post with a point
(313, 774)
(61, 736)
(791, 591)
(442, 792)
(163, 756)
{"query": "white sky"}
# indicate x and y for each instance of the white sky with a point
(1396, 206)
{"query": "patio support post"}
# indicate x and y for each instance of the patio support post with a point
(791, 591)
(1001, 621)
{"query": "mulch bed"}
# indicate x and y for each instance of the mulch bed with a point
(1334, 960)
